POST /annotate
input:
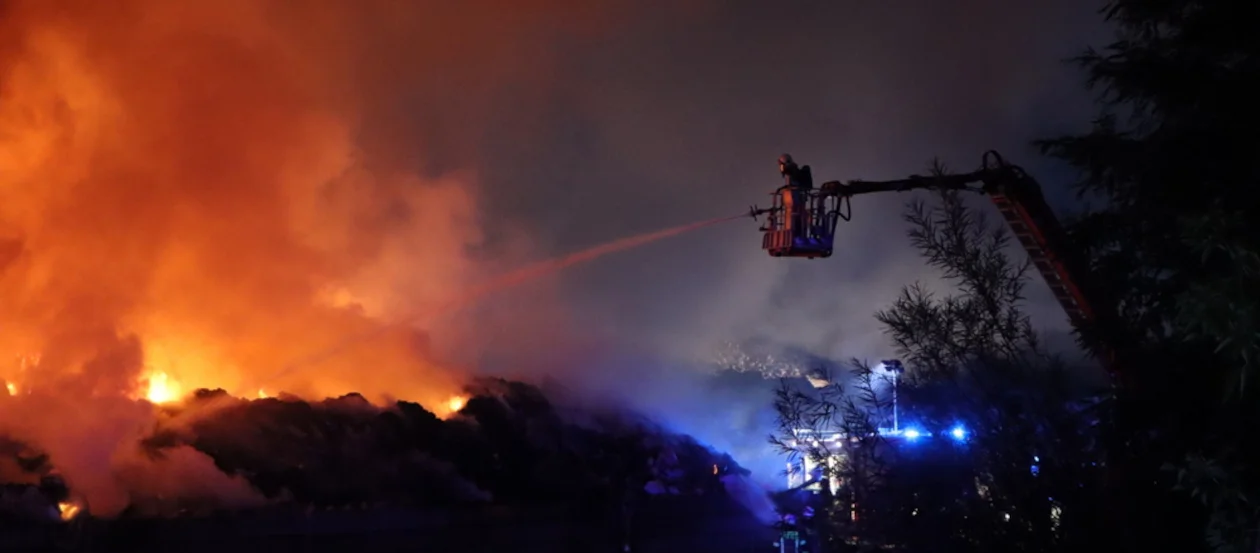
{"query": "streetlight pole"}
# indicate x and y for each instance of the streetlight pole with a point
(894, 366)
(896, 428)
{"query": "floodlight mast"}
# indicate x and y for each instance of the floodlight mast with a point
(894, 367)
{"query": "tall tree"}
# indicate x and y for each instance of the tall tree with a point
(1024, 477)
(1175, 242)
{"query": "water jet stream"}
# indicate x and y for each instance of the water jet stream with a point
(507, 280)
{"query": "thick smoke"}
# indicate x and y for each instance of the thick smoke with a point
(683, 118)
(191, 175)
(194, 194)
(212, 189)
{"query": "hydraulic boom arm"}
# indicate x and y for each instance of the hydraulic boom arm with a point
(809, 230)
(1020, 201)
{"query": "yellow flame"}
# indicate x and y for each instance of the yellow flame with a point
(12, 388)
(456, 403)
(67, 510)
(262, 394)
(162, 388)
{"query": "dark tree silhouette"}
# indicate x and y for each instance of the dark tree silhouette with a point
(971, 358)
(1171, 160)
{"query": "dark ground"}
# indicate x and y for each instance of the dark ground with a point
(667, 525)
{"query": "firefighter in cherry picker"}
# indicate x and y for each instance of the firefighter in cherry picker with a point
(797, 181)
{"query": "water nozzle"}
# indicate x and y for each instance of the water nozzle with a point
(754, 211)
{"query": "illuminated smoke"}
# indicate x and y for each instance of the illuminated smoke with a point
(194, 193)
(513, 278)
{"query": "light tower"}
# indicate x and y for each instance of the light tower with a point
(894, 368)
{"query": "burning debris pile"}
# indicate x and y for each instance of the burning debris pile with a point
(507, 444)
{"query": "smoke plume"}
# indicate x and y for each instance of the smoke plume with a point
(193, 194)
(197, 193)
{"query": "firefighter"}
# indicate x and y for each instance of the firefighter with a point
(794, 175)
(796, 180)
(787, 168)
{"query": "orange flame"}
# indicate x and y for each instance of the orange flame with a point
(197, 193)
(68, 510)
(161, 388)
(456, 403)
(206, 213)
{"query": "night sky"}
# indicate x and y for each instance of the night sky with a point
(242, 183)
(665, 118)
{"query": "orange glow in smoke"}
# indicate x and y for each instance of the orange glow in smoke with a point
(181, 195)
(161, 388)
(456, 403)
(196, 193)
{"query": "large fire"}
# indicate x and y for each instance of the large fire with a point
(178, 195)
(194, 195)
(161, 389)
(456, 403)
